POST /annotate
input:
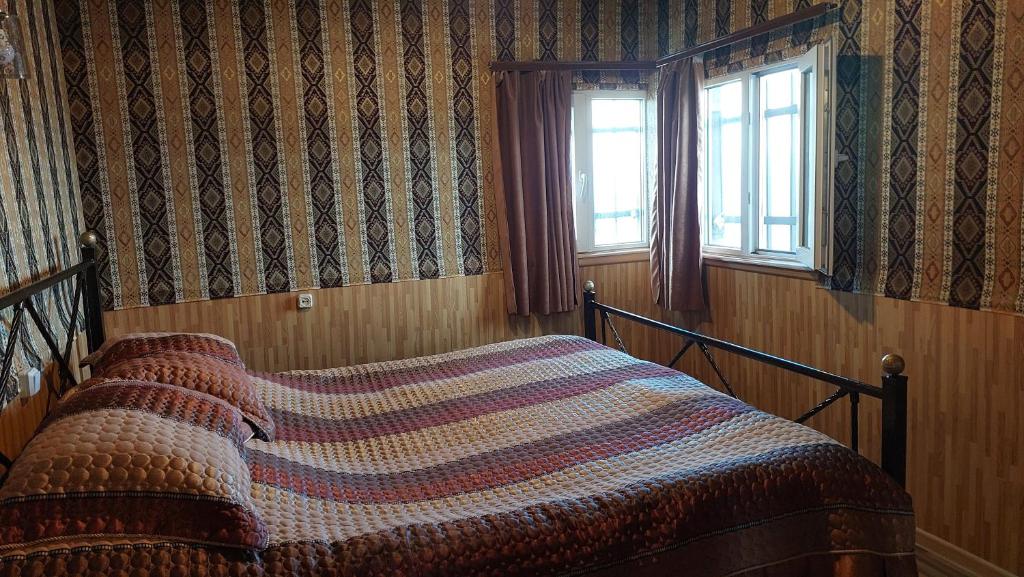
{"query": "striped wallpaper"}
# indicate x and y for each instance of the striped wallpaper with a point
(240, 147)
(930, 110)
(39, 204)
(936, 211)
(250, 146)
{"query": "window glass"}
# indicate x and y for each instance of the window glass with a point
(609, 169)
(724, 162)
(618, 170)
(779, 166)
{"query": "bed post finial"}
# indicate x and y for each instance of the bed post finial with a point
(589, 311)
(894, 418)
(89, 239)
(893, 364)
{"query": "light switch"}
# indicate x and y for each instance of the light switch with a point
(29, 383)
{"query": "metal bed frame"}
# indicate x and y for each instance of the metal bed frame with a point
(86, 294)
(893, 392)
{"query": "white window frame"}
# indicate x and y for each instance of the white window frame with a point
(817, 255)
(582, 169)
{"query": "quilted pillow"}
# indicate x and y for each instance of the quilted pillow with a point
(134, 345)
(199, 372)
(129, 461)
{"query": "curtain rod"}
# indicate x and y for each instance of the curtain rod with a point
(571, 65)
(749, 32)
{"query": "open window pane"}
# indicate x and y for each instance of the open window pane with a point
(779, 166)
(724, 162)
(618, 170)
(809, 184)
(766, 164)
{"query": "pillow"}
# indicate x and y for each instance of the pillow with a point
(198, 372)
(134, 345)
(133, 461)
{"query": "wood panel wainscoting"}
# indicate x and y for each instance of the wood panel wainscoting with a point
(368, 323)
(966, 368)
(349, 325)
(19, 420)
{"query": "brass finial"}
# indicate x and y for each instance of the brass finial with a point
(893, 364)
(588, 286)
(89, 239)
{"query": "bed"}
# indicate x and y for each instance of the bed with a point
(548, 456)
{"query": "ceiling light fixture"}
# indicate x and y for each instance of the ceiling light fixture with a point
(12, 57)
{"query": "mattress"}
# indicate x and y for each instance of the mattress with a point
(546, 456)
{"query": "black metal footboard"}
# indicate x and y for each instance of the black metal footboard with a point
(893, 391)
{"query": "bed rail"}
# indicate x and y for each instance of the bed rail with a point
(893, 392)
(86, 294)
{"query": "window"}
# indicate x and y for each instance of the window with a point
(609, 169)
(767, 163)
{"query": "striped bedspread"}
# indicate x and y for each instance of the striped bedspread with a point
(547, 456)
(556, 456)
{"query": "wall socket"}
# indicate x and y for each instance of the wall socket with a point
(305, 301)
(29, 383)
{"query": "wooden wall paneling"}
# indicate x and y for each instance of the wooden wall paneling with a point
(19, 420)
(375, 322)
(350, 325)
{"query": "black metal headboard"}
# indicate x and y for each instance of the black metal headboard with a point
(87, 294)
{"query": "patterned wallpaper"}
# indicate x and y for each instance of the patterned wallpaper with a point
(933, 210)
(249, 146)
(929, 112)
(39, 206)
(235, 147)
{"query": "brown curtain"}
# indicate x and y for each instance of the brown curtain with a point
(538, 233)
(676, 277)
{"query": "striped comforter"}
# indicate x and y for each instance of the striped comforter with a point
(556, 455)
(547, 456)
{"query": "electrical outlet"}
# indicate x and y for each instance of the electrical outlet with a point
(29, 383)
(305, 301)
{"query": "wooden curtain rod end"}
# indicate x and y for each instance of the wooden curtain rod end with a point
(589, 286)
(893, 365)
(89, 239)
